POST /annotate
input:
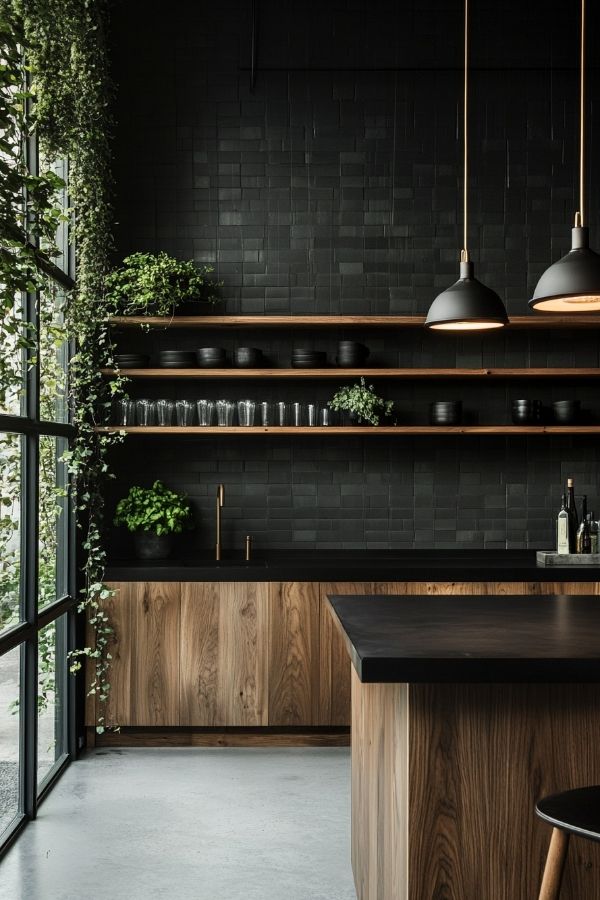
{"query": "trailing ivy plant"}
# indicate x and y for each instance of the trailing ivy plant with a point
(64, 44)
(155, 284)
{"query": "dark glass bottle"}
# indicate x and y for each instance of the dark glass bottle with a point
(573, 517)
(586, 536)
(582, 524)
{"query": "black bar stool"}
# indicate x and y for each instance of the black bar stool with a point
(572, 812)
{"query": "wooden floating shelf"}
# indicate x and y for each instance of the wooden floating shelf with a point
(257, 321)
(365, 430)
(334, 372)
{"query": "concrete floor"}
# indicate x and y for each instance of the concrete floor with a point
(190, 824)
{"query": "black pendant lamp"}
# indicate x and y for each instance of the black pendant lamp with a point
(572, 285)
(467, 305)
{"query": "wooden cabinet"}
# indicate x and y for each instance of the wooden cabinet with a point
(293, 651)
(334, 662)
(245, 654)
(144, 673)
(223, 654)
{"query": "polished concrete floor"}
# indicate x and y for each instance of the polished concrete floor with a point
(190, 824)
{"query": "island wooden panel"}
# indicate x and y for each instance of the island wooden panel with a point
(445, 779)
(293, 649)
(380, 721)
(334, 662)
(480, 758)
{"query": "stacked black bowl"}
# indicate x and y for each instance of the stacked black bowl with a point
(566, 412)
(248, 358)
(176, 359)
(131, 360)
(211, 357)
(445, 412)
(309, 359)
(527, 412)
(351, 354)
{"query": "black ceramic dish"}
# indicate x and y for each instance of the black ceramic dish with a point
(527, 412)
(248, 358)
(566, 412)
(131, 360)
(445, 412)
(176, 359)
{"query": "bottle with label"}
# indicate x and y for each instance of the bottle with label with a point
(582, 526)
(593, 532)
(562, 528)
(573, 517)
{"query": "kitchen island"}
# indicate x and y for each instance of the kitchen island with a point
(465, 711)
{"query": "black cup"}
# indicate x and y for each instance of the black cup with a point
(566, 412)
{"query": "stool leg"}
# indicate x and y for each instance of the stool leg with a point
(555, 864)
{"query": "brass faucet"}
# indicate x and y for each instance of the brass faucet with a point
(220, 501)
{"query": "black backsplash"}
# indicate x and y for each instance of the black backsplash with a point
(333, 187)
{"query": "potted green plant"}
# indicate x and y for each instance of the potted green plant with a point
(156, 284)
(153, 515)
(361, 402)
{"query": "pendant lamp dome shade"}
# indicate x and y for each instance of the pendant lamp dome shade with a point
(572, 284)
(467, 305)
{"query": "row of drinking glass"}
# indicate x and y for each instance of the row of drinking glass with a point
(249, 412)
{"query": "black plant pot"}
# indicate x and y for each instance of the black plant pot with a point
(149, 545)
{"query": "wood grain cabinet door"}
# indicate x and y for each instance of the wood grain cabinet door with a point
(144, 674)
(334, 662)
(223, 654)
(293, 653)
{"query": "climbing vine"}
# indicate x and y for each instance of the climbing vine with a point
(63, 43)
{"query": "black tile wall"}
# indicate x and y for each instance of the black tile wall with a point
(333, 187)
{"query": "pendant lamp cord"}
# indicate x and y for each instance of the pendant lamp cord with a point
(464, 256)
(580, 217)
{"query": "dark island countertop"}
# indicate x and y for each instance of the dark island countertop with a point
(483, 639)
(355, 565)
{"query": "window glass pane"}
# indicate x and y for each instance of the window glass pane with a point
(52, 678)
(53, 521)
(12, 363)
(53, 356)
(9, 737)
(10, 528)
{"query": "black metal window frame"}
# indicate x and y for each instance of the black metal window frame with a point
(25, 635)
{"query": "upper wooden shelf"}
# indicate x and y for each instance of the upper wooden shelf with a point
(338, 373)
(258, 321)
(366, 430)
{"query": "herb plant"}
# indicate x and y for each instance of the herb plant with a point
(155, 284)
(156, 509)
(361, 401)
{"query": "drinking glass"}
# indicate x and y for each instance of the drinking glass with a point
(145, 412)
(297, 414)
(282, 413)
(311, 414)
(246, 410)
(225, 410)
(185, 412)
(266, 413)
(206, 412)
(126, 412)
(325, 416)
(164, 411)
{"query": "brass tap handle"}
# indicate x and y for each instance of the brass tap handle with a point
(248, 547)
(220, 502)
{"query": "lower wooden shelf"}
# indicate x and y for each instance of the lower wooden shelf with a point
(364, 430)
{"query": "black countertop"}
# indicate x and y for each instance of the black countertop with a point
(485, 639)
(355, 565)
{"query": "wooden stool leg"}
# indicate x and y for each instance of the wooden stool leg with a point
(555, 864)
